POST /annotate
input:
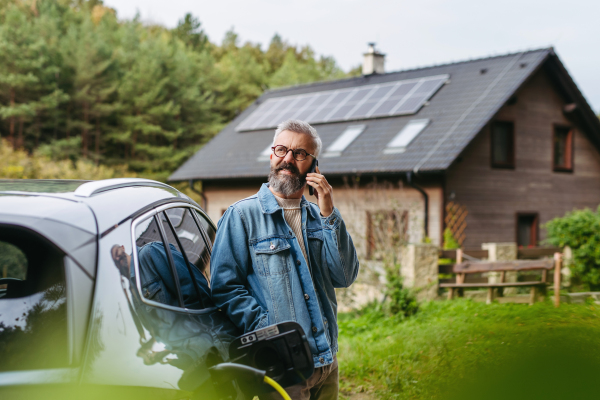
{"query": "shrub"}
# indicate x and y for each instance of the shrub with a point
(400, 300)
(17, 164)
(450, 242)
(580, 230)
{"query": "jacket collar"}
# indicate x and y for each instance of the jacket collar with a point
(269, 205)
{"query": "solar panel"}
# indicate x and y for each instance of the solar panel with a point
(363, 102)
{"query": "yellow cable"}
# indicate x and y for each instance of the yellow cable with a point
(277, 387)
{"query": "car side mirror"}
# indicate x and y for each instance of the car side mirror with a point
(280, 350)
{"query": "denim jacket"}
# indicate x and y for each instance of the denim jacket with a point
(260, 276)
(157, 280)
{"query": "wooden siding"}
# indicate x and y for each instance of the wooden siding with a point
(494, 196)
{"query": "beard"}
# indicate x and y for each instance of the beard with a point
(286, 184)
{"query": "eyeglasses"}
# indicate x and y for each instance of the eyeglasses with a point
(299, 154)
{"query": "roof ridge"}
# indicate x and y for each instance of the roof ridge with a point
(319, 83)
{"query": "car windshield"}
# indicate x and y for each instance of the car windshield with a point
(40, 185)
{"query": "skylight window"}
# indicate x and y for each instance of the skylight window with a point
(405, 136)
(340, 144)
(265, 155)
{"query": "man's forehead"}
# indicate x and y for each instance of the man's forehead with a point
(298, 139)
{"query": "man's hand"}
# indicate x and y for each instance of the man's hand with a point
(323, 191)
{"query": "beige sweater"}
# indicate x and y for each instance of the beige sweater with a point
(293, 216)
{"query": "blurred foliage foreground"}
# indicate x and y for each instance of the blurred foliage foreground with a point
(469, 350)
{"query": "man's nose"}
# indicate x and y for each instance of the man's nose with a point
(289, 157)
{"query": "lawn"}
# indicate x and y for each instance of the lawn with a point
(469, 350)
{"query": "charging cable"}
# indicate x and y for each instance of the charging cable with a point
(277, 387)
(229, 371)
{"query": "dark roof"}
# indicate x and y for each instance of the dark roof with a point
(457, 112)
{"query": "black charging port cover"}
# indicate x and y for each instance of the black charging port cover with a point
(280, 350)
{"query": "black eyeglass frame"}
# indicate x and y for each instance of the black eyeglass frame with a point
(293, 152)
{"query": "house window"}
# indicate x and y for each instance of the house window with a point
(563, 148)
(503, 140)
(527, 232)
(385, 230)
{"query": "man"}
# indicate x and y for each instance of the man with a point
(278, 257)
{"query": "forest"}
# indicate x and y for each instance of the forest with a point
(79, 84)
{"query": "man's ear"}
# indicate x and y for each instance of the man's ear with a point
(271, 156)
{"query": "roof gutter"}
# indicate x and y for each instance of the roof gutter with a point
(425, 200)
(201, 194)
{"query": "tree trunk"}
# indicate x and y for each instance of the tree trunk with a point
(134, 139)
(11, 126)
(38, 129)
(68, 130)
(133, 142)
(84, 133)
(20, 136)
(97, 140)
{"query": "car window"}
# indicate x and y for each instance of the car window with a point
(33, 303)
(155, 275)
(172, 260)
(208, 227)
(13, 262)
(190, 254)
(193, 242)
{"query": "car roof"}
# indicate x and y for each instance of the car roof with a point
(73, 213)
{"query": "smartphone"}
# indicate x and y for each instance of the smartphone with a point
(312, 169)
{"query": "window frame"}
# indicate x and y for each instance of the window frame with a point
(512, 146)
(569, 153)
(535, 227)
(155, 213)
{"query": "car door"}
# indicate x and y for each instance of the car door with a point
(155, 282)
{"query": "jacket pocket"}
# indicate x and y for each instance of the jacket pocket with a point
(315, 245)
(273, 256)
(154, 291)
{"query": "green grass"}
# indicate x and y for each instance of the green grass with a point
(465, 349)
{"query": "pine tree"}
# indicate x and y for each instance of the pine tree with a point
(21, 62)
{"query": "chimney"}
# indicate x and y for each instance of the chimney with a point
(373, 62)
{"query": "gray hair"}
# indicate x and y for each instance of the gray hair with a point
(298, 126)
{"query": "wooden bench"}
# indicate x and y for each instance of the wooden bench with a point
(461, 269)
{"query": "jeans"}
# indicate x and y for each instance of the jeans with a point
(322, 385)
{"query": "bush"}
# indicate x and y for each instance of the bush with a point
(580, 230)
(400, 300)
(17, 164)
(450, 242)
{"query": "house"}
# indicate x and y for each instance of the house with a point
(492, 148)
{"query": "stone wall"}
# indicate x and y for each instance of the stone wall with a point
(419, 269)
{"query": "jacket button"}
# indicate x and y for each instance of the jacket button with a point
(306, 296)
(272, 246)
(314, 329)
(331, 222)
(322, 360)
(298, 262)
